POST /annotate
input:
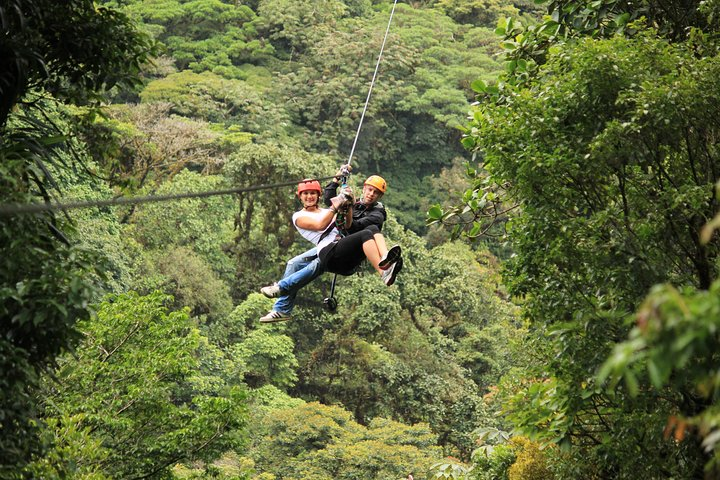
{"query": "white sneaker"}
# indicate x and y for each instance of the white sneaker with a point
(388, 276)
(392, 256)
(274, 316)
(271, 291)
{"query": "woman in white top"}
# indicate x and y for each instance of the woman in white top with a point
(335, 253)
(340, 254)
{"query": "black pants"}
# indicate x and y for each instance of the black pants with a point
(346, 254)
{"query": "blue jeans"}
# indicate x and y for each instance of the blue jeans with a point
(299, 271)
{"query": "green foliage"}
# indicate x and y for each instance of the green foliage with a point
(100, 48)
(516, 459)
(210, 97)
(147, 394)
(99, 231)
(202, 224)
(232, 328)
(408, 352)
(230, 466)
(293, 24)
(673, 349)
(145, 144)
(46, 286)
(493, 463)
(204, 35)
(530, 463)
(193, 284)
(527, 44)
(477, 12)
(317, 442)
(608, 17)
(449, 471)
(268, 358)
(72, 440)
(269, 397)
(132, 383)
(610, 155)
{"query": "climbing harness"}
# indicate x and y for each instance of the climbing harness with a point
(330, 302)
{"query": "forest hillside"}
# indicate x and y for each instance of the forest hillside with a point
(551, 173)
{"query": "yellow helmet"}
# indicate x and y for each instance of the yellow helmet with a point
(377, 182)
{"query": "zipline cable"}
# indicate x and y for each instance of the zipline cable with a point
(372, 83)
(33, 208)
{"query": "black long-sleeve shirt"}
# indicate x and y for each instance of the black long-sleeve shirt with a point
(363, 215)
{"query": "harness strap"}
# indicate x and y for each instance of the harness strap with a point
(327, 231)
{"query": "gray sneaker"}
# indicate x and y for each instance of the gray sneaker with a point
(274, 316)
(271, 291)
(388, 276)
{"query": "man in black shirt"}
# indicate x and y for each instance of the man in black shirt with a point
(367, 210)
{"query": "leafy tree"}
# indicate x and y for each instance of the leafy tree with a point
(485, 13)
(44, 283)
(204, 35)
(321, 442)
(153, 145)
(100, 48)
(149, 413)
(531, 463)
(194, 284)
(527, 45)
(231, 329)
(609, 150)
(269, 397)
(408, 352)
(673, 348)
(292, 25)
(268, 358)
(213, 98)
(203, 224)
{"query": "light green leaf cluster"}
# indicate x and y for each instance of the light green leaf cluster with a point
(213, 98)
(135, 382)
(204, 35)
(322, 442)
(673, 345)
(268, 359)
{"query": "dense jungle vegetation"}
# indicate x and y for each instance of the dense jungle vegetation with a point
(552, 171)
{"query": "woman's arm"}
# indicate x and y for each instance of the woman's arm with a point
(317, 222)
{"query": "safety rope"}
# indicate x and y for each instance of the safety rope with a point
(34, 208)
(372, 83)
(340, 220)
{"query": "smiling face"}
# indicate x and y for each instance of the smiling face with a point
(370, 194)
(309, 198)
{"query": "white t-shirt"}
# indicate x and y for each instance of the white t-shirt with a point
(313, 236)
